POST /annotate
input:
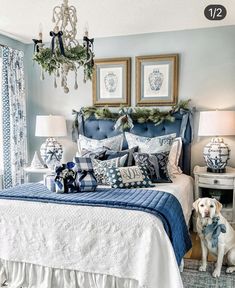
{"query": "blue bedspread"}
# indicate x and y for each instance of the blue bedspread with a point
(161, 204)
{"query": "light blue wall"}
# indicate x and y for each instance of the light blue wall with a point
(12, 43)
(207, 76)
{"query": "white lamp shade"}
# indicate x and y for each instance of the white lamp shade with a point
(50, 126)
(216, 123)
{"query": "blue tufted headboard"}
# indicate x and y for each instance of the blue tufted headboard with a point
(100, 129)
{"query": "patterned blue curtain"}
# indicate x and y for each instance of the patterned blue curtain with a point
(14, 117)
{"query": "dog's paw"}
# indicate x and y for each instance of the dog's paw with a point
(202, 268)
(230, 269)
(216, 273)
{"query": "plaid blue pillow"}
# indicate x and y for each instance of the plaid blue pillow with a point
(128, 177)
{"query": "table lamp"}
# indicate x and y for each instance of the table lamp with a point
(51, 126)
(217, 124)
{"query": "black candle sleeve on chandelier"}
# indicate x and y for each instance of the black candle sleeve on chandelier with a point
(88, 43)
(36, 42)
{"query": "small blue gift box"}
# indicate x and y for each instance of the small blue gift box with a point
(85, 178)
(49, 182)
(65, 178)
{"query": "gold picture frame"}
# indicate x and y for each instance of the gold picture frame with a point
(111, 82)
(157, 80)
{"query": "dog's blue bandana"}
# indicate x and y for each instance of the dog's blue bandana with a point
(215, 228)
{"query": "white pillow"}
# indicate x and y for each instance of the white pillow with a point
(112, 143)
(150, 145)
(174, 156)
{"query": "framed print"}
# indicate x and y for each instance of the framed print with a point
(157, 80)
(111, 82)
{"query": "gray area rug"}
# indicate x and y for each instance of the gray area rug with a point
(192, 278)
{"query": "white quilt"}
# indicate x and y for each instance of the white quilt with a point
(107, 241)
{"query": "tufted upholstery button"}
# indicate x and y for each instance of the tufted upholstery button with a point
(163, 129)
(98, 128)
(146, 128)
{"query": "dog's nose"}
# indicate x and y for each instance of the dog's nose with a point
(207, 213)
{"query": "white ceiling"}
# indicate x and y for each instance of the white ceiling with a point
(20, 19)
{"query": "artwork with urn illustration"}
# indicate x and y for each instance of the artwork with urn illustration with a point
(157, 80)
(111, 82)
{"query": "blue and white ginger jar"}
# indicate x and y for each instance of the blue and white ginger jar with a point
(110, 82)
(155, 80)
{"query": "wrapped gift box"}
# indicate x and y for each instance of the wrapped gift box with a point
(85, 178)
(49, 182)
(65, 178)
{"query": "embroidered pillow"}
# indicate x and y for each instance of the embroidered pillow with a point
(112, 143)
(129, 177)
(150, 145)
(174, 156)
(110, 154)
(156, 165)
(100, 168)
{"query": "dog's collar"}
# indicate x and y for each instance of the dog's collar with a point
(215, 228)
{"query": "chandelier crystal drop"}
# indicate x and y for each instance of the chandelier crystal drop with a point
(65, 53)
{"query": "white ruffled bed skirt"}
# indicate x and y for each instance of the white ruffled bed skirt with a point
(26, 275)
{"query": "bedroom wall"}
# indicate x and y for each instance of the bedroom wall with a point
(12, 43)
(207, 71)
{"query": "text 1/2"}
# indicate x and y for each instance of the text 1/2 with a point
(215, 12)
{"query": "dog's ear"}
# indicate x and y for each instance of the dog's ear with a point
(218, 206)
(195, 204)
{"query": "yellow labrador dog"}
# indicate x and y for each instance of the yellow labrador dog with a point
(216, 234)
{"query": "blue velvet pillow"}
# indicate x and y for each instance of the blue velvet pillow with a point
(156, 165)
(128, 177)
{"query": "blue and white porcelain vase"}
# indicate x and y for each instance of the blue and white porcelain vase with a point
(155, 80)
(51, 153)
(216, 155)
(110, 82)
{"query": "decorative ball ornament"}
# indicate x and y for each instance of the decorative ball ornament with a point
(216, 155)
(51, 153)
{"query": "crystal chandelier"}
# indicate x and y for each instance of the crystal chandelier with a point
(65, 53)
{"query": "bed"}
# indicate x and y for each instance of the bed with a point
(51, 245)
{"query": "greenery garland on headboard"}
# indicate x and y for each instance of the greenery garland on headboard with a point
(127, 115)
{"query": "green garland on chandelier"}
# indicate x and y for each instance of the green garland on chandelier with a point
(51, 63)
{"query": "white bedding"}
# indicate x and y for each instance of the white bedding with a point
(89, 243)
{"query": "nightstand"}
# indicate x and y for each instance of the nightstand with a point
(217, 185)
(30, 170)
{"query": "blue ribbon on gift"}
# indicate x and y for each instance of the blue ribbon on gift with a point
(84, 173)
(59, 35)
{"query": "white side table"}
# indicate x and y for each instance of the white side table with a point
(213, 184)
(30, 170)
